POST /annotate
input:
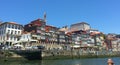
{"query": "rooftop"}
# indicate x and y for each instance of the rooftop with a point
(80, 23)
(10, 23)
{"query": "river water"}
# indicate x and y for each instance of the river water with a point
(93, 61)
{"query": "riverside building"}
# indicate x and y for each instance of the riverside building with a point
(51, 34)
(27, 39)
(10, 33)
(37, 30)
(80, 26)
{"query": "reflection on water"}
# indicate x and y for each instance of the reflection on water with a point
(94, 61)
(9, 62)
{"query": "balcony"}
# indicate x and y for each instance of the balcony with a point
(42, 37)
(42, 33)
(34, 35)
(52, 31)
(14, 34)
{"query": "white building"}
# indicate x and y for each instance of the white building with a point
(80, 26)
(10, 33)
(28, 39)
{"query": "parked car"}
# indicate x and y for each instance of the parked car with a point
(34, 47)
(41, 47)
(28, 47)
(1, 46)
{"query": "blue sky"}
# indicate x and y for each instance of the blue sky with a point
(103, 15)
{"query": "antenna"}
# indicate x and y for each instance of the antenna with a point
(0, 21)
(45, 16)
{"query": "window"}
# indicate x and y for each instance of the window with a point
(18, 32)
(12, 26)
(11, 38)
(15, 38)
(8, 32)
(9, 26)
(18, 27)
(18, 38)
(15, 26)
(11, 31)
(3, 31)
(0, 32)
(2, 27)
(15, 32)
(5, 25)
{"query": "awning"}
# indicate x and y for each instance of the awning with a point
(76, 46)
(18, 45)
(33, 40)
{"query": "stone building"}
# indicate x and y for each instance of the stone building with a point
(28, 39)
(80, 26)
(37, 29)
(51, 34)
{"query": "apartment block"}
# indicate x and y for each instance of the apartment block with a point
(37, 30)
(80, 26)
(10, 33)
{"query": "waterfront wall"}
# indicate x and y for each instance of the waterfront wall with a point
(26, 54)
(77, 54)
(55, 54)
